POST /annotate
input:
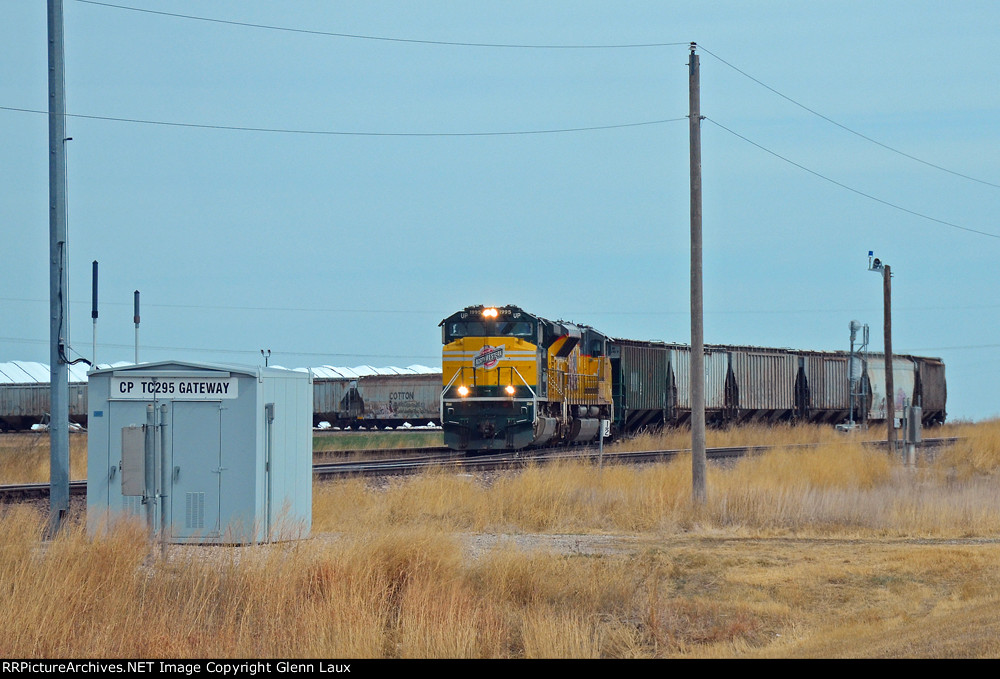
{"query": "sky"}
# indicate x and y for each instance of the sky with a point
(329, 180)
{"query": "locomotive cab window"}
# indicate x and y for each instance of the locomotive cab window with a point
(593, 343)
(459, 329)
(515, 328)
(466, 329)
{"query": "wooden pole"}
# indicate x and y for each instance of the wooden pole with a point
(698, 457)
(890, 395)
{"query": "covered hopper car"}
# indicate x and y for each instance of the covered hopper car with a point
(511, 379)
(651, 384)
(378, 400)
(25, 395)
(361, 397)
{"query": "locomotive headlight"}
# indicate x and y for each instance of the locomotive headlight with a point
(490, 313)
(509, 389)
(463, 390)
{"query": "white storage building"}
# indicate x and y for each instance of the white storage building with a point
(237, 448)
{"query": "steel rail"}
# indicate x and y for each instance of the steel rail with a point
(496, 461)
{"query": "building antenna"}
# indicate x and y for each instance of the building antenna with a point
(93, 314)
(135, 319)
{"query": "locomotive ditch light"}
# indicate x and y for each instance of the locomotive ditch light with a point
(463, 390)
(509, 389)
(490, 313)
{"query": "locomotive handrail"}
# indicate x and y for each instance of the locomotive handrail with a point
(460, 371)
(576, 384)
(534, 396)
(444, 391)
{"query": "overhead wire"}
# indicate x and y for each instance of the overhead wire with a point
(226, 351)
(210, 350)
(501, 45)
(850, 188)
(239, 128)
(358, 36)
(428, 312)
(535, 46)
(520, 132)
(845, 127)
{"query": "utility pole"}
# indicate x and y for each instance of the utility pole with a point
(890, 391)
(58, 289)
(698, 457)
(879, 266)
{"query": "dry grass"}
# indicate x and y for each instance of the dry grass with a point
(783, 434)
(812, 553)
(839, 489)
(24, 457)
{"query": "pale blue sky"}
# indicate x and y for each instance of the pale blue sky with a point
(342, 248)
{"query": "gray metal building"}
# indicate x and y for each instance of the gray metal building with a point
(231, 449)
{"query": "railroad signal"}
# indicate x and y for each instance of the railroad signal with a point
(874, 263)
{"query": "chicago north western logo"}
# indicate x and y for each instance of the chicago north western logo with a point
(488, 357)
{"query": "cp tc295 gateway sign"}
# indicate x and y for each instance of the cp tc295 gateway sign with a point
(192, 388)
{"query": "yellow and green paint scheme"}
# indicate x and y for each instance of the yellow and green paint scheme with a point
(512, 380)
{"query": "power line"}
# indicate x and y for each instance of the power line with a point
(967, 346)
(428, 312)
(844, 127)
(237, 128)
(357, 36)
(538, 46)
(230, 351)
(235, 308)
(851, 189)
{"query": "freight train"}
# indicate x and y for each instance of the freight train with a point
(511, 379)
(360, 397)
(515, 379)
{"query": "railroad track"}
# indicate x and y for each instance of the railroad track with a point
(451, 460)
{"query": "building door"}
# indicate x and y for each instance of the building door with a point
(196, 491)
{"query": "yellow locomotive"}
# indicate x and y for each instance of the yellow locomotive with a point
(512, 379)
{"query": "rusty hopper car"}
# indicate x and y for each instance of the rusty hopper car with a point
(375, 398)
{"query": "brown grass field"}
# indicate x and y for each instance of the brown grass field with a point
(827, 552)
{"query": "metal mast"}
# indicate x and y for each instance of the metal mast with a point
(58, 295)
